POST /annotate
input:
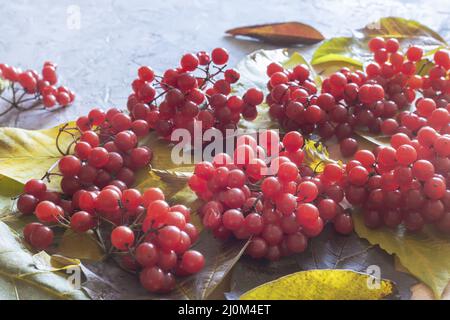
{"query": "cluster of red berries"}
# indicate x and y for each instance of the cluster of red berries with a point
(41, 86)
(431, 110)
(279, 206)
(294, 101)
(97, 178)
(148, 235)
(396, 73)
(406, 182)
(369, 101)
(96, 193)
(192, 96)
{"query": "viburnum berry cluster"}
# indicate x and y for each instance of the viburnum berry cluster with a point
(295, 102)
(278, 206)
(97, 169)
(405, 183)
(192, 96)
(400, 76)
(147, 234)
(96, 193)
(29, 89)
(374, 101)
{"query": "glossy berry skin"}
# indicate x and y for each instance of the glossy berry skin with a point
(40, 236)
(192, 261)
(152, 279)
(147, 254)
(169, 237)
(98, 157)
(81, 221)
(35, 187)
(46, 211)
(189, 62)
(343, 224)
(26, 204)
(69, 166)
(219, 56)
(122, 238)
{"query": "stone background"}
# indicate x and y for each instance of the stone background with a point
(99, 59)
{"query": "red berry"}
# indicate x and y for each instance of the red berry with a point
(219, 56)
(122, 238)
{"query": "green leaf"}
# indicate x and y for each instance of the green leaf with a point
(336, 50)
(352, 51)
(8, 188)
(401, 28)
(27, 154)
(21, 278)
(425, 254)
(80, 246)
(322, 285)
(327, 251)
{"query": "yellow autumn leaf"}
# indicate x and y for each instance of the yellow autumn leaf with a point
(8, 189)
(317, 155)
(425, 254)
(27, 154)
(80, 246)
(324, 284)
(45, 262)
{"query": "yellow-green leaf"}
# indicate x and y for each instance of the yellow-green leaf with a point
(352, 51)
(425, 254)
(162, 153)
(372, 140)
(401, 28)
(80, 246)
(20, 278)
(8, 189)
(27, 154)
(45, 262)
(335, 51)
(323, 285)
(317, 155)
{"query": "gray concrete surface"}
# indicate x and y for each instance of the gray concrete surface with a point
(98, 57)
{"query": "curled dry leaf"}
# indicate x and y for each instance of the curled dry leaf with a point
(323, 285)
(317, 155)
(286, 33)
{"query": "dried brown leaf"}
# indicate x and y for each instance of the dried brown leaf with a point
(281, 33)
